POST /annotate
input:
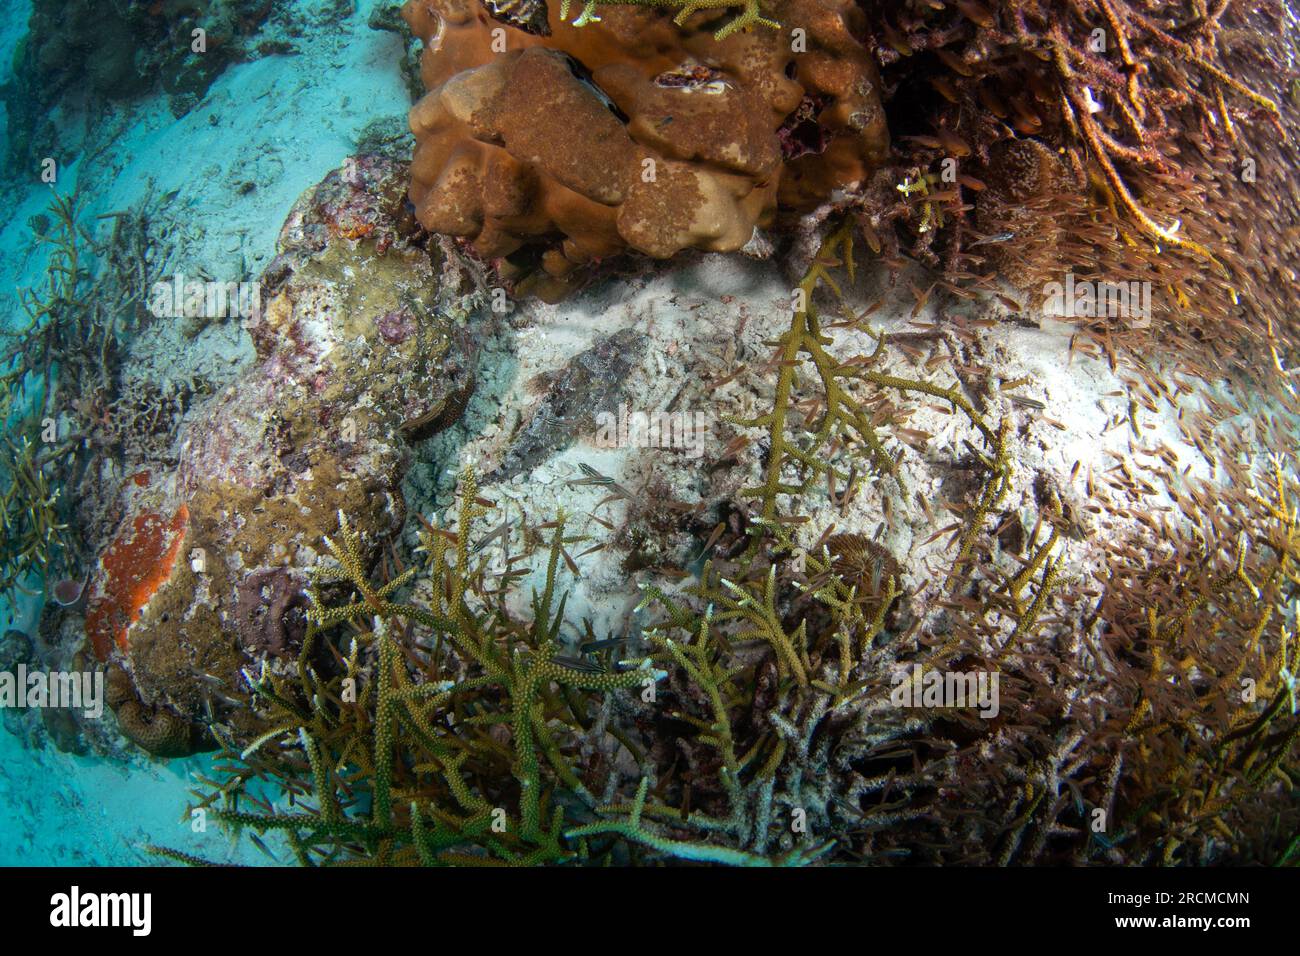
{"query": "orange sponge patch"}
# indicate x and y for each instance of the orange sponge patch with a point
(135, 566)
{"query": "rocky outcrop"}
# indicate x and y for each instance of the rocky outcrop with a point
(359, 345)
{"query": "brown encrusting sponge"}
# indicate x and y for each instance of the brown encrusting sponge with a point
(633, 133)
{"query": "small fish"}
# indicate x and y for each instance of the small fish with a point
(953, 143)
(500, 531)
(989, 240)
(580, 664)
(593, 477)
(954, 62)
(592, 647)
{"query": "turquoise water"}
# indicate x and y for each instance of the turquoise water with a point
(64, 810)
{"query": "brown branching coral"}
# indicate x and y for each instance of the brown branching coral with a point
(633, 133)
(1122, 142)
(385, 704)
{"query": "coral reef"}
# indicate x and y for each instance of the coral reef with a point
(631, 133)
(743, 675)
(1127, 143)
(772, 733)
(60, 430)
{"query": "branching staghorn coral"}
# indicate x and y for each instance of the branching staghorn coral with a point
(770, 785)
(32, 519)
(61, 330)
(61, 366)
(1219, 688)
(381, 726)
(1002, 629)
(422, 747)
(1173, 54)
(374, 602)
(842, 413)
(843, 418)
(1115, 76)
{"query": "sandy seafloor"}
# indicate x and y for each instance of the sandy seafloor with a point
(281, 123)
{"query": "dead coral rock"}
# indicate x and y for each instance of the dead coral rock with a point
(207, 570)
(632, 133)
(363, 198)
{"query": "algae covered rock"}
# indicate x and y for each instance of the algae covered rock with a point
(360, 346)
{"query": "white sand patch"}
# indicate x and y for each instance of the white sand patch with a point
(702, 320)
